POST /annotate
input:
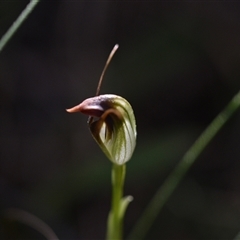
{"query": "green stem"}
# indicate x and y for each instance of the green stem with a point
(162, 195)
(115, 218)
(7, 36)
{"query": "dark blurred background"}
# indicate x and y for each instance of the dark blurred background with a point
(178, 65)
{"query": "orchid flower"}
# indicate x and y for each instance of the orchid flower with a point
(115, 127)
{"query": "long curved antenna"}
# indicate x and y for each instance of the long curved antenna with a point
(90, 119)
(105, 68)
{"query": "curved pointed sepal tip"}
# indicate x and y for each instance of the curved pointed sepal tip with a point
(74, 109)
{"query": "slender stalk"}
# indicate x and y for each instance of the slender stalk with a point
(7, 36)
(162, 195)
(115, 218)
